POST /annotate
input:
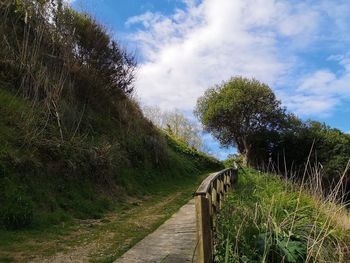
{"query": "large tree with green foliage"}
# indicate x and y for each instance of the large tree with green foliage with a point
(240, 111)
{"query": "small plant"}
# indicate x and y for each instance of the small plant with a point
(280, 246)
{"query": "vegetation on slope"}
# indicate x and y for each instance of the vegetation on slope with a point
(75, 146)
(74, 142)
(270, 219)
(176, 124)
(45, 181)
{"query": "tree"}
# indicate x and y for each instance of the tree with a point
(154, 114)
(175, 124)
(239, 112)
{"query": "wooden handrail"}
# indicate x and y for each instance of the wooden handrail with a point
(208, 200)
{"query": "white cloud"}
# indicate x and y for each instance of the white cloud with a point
(211, 40)
(322, 91)
(317, 82)
(309, 105)
(207, 42)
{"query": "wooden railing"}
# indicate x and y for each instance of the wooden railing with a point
(208, 199)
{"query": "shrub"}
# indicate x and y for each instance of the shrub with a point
(16, 210)
(234, 159)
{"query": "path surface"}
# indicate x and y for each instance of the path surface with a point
(172, 242)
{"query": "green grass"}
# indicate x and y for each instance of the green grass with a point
(54, 181)
(117, 230)
(267, 219)
(48, 187)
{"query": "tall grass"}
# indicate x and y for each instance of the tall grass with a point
(274, 219)
(30, 66)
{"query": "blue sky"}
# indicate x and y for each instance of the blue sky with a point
(299, 48)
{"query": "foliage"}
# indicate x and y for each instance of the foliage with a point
(51, 52)
(73, 139)
(16, 208)
(267, 219)
(83, 177)
(239, 110)
(175, 124)
(199, 159)
(101, 67)
(330, 149)
(247, 114)
(233, 159)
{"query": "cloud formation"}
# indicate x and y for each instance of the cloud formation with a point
(212, 40)
(323, 90)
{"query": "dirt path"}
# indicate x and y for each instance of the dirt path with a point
(102, 242)
(174, 241)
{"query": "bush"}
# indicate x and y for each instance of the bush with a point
(201, 160)
(16, 210)
(234, 159)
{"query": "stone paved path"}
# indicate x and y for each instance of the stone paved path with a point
(172, 242)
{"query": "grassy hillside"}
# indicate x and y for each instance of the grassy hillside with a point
(74, 142)
(44, 180)
(82, 171)
(269, 219)
(112, 172)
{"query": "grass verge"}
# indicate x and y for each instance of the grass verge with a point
(269, 219)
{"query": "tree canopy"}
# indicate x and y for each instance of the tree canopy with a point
(245, 113)
(238, 111)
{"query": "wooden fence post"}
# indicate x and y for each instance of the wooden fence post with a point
(204, 232)
(209, 198)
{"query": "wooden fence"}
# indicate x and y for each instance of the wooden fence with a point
(208, 199)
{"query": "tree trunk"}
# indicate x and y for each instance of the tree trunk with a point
(245, 152)
(245, 159)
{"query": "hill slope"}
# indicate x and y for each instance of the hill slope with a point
(75, 146)
(45, 180)
(73, 139)
(51, 189)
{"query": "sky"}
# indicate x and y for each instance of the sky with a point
(301, 49)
